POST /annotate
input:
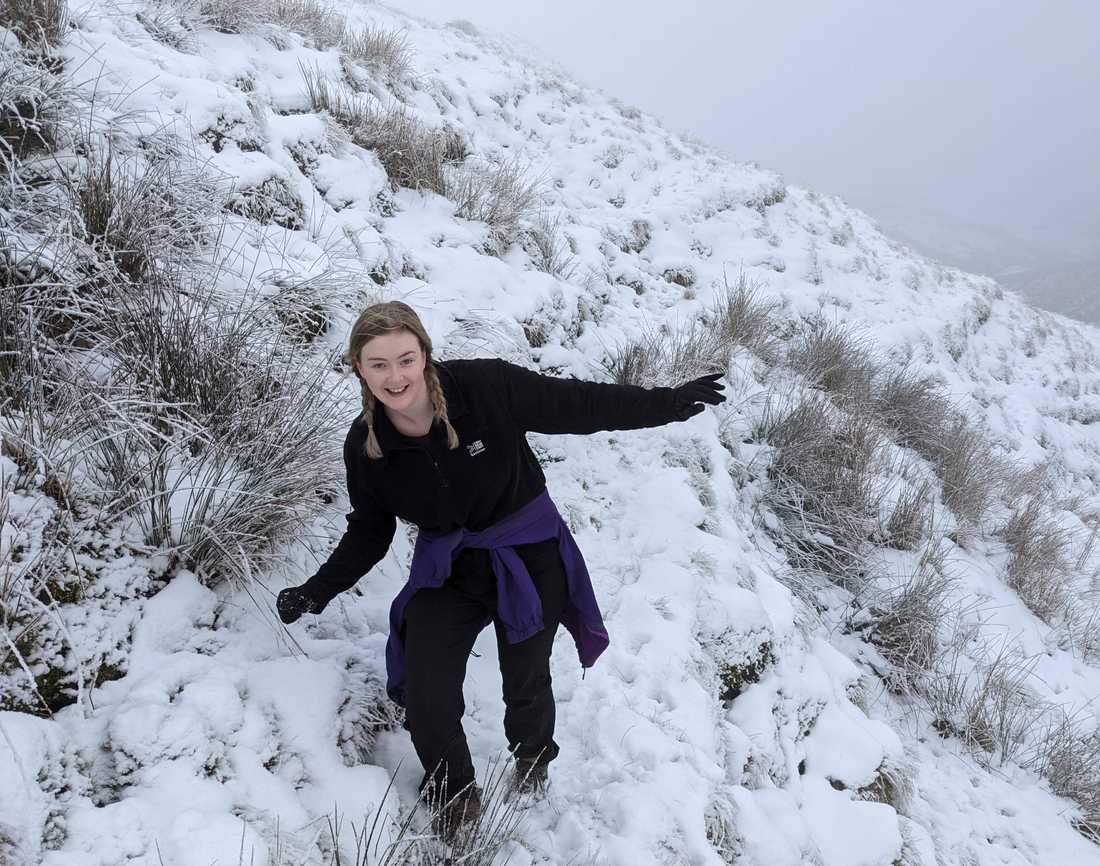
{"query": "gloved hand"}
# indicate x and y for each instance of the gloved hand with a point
(688, 399)
(292, 602)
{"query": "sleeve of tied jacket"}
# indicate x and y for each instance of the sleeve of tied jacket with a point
(548, 404)
(366, 540)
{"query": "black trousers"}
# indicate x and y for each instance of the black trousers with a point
(440, 628)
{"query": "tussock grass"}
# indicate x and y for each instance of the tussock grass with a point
(1039, 563)
(667, 357)
(233, 16)
(971, 473)
(37, 22)
(318, 21)
(135, 210)
(413, 154)
(908, 624)
(386, 52)
(914, 407)
(825, 486)
(503, 196)
(834, 359)
(549, 251)
(989, 706)
(910, 520)
(743, 317)
(410, 840)
(1067, 755)
(33, 104)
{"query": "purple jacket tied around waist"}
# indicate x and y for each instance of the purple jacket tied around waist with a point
(518, 604)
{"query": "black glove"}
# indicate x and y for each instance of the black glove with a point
(292, 602)
(688, 399)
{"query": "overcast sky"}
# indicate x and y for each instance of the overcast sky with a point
(984, 111)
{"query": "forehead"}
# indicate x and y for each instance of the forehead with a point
(390, 346)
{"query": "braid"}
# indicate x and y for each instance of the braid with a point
(439, 402)
(374, 450)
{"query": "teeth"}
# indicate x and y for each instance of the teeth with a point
(398, 391)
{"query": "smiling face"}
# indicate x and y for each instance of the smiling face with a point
(392, 365)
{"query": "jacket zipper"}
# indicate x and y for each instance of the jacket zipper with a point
(438, 471)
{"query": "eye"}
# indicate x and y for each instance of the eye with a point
(407, 362)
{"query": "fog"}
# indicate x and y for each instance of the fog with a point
(971, 130)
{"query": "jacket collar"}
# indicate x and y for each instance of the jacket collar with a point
(388, 436)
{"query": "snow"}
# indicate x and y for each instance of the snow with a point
(226, 739)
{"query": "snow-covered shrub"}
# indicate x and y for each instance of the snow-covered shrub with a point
(212, 433)
(1039, 559)
(33, 102)
(1067, 755)
(720, 821)
(134, 210)
(503, 196)
(683, 276)
(637, 240)
(37, 22)
(907, 624)
(386, 52)
(743, 318)
(834, 359)
(414, 154)
(170, 22)
(825, 486)
(269, 202)
(892, 785)
(365, 711)
(304, 305)
(233, 16)
(321, 22)
(988, 705)
(550, 252)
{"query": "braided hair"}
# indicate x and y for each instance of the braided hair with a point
(387, 318)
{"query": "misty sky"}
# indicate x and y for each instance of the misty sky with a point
(980, 111)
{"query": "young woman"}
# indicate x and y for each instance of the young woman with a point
(443, 445)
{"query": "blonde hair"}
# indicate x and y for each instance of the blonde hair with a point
(386, 318)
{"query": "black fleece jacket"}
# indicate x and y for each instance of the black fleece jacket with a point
(491, 404)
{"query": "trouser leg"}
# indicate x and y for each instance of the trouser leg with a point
(529, 714)
(440, 628)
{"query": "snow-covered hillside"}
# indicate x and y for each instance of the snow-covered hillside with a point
(850, 610)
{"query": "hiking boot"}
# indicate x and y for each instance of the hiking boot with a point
(529, 777)
(461, 811)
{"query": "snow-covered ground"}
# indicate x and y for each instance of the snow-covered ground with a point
(227, 739)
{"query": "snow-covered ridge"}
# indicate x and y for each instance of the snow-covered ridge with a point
(739, 716)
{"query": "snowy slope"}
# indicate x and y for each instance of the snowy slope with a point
(229, 740)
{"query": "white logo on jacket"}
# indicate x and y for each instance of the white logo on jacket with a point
(475, 447)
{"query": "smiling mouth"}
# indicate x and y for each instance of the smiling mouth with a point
(400, 390)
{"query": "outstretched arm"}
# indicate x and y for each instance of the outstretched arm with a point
(547, 404)
(368, 536)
